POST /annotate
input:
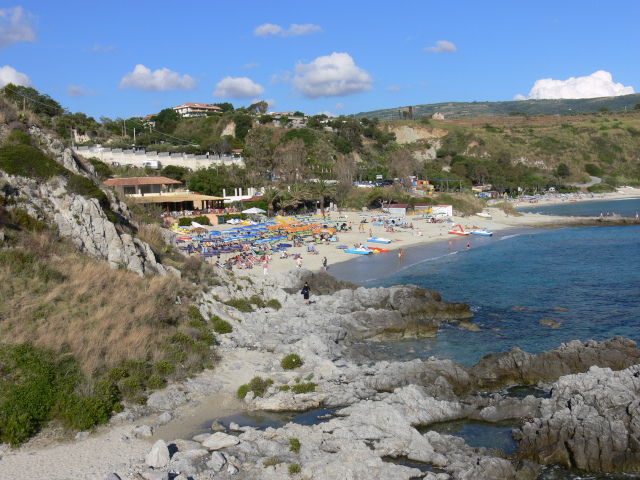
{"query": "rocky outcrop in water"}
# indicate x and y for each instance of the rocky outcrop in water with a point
(591, 422)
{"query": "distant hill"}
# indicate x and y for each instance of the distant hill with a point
(499, 109)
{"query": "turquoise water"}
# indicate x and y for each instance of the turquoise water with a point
(588, 208)
(585, 279)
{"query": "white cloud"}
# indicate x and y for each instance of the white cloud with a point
(240, 87)
(102, 48)
(394, 88)
(442, 46)
(11, 75)
(519, 97)
(327, 113)
(295, 30)
(16, 25)
(79, 91)
(142, 78)
(339, 106)
(250, 65)
(598, 84)
(331, 75)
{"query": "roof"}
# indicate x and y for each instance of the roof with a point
(397, 205)
(112, 182)
(175, 198)
(204, 106)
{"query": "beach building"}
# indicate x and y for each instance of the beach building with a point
(160, 190)
(191, 109)
(396, 208)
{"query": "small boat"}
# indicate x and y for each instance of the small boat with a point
(482, 231)
(361, 250)
(378, 240)
(485, 215)
(459, 231)
(379, 249)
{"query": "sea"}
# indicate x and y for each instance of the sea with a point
(584, 279)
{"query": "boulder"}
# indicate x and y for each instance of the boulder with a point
(158, 456)
(220, 440)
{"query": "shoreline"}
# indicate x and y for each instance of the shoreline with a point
(431, 234)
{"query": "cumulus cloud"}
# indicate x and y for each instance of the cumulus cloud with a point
(79, 91)
(11, 75)
(16, 26)
(442, 46)
(295, 30)
(142, 78)
(339, 106)
(598, 84)
(331, 75)
(240, 87)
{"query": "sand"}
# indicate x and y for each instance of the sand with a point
(431, 232)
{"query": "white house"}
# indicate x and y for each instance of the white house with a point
(191, 109)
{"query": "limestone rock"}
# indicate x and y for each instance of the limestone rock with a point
(220, 440)
(158, 456)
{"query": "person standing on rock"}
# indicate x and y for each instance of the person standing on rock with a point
(306, 291)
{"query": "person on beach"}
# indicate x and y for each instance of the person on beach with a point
(370, 232)
(299, 261)
(468, 245)
(450, 246)
(306, 291)
(265, 269)
(324, 263)
(400, 254)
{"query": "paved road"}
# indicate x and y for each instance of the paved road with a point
(593, 181)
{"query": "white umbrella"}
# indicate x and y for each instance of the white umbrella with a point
(254, 210)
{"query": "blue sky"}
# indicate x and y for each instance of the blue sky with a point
(121, 59)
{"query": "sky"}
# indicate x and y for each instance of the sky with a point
(124, 59)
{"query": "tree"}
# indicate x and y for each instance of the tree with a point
(270, 195)
(30, 97)
(401, 166)
(563, 170)
(289, 160)
(259, 149)
(298, 113)
(321, 190)
(284, 120)
(637, 106)
(243, 125)
(259, 107)
(226, 107)
(264, 119)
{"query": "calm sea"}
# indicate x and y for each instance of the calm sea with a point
(587, 280)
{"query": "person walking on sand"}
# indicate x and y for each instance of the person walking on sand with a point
(324, 263)
(370, 233)
(306, 291)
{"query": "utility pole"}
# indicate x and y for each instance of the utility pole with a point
(124, 128)
(134, 135)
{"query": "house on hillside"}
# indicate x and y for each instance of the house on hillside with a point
(141, 185)
(191, 109)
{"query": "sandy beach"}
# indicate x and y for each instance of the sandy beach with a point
(404, 238)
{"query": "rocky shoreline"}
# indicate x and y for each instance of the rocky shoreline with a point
(590, 421)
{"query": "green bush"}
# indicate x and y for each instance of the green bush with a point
(28, 161)
(186, 222)
(240, 304)
(194, 313)
(294, 445)
(19, 137)
(243, 390)
(102, 169)
(221, 326)
(271, 461)
(258, 385)
(257, 301)
(165, 368)
(274, 303)
(294, 468)
(304, 387)
(291, 361)
(156, 382)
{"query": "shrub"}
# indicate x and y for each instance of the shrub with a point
(243, 390)
(202, 220)
(20, 218)
(19, 137)
(304, 387)
(294, 445)
(257, 301)
(156, 382)
(194, 313)
(291, 361)
(274, 303)
(258, 385)
(28, 161)
(240, 304)
(271, 461)
(294, 468)
(221, 326)
(309, 377)
(283, 388)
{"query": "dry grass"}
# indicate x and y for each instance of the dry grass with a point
(103, 316)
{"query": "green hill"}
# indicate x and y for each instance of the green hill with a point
(497, 109)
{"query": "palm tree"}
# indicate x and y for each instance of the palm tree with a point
(270, 194)
(322, 189)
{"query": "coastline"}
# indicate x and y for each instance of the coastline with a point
(501, 224)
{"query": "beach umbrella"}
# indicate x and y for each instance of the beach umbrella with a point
(199, 230)
(254, 210)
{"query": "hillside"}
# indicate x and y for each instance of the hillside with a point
(497, 109)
